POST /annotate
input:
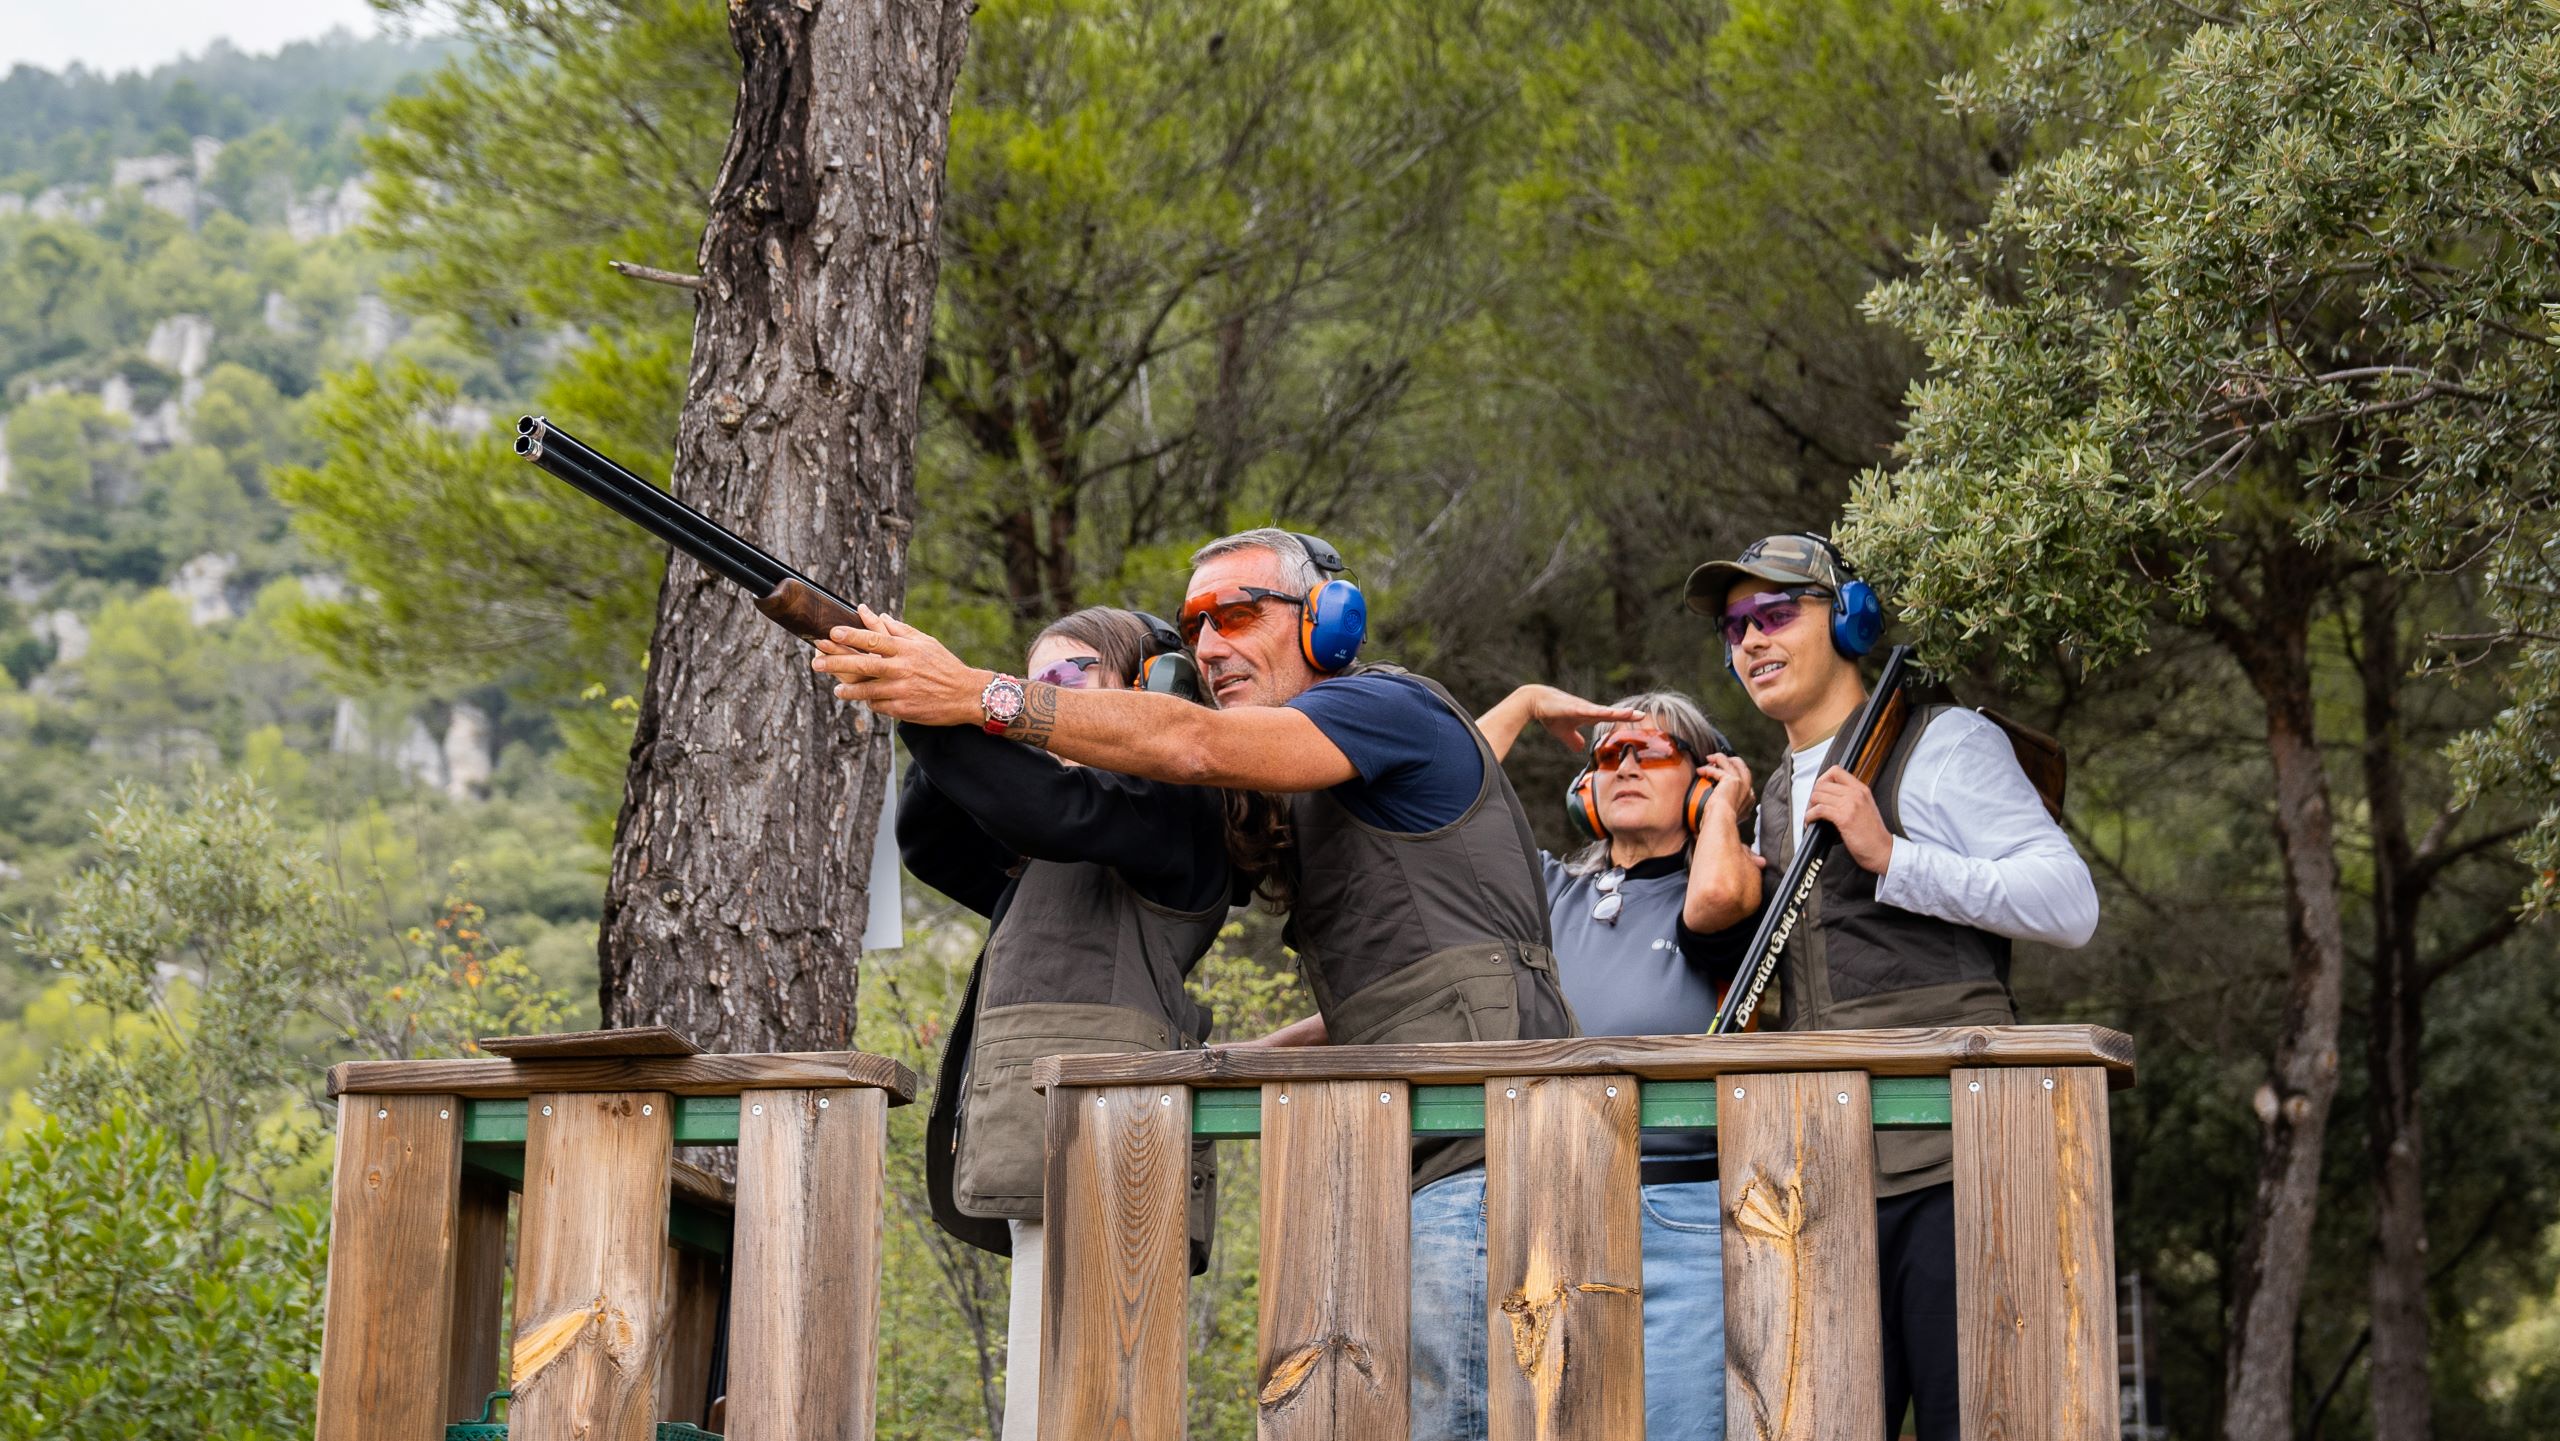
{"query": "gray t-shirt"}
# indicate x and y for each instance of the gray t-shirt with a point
(1645, 975)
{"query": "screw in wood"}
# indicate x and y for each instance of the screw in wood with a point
(546, 1110)
(444, 1115)
(1284, 1098)
(759, 1110)
(1382, 1098)
(1737, 1093)
(1510, 1093)
(1973, 1085)
(1612, 1090)
(822, 1103)
(382, 1115)
(1844, 1098)
(2048, 1083)
(648, 1110)
(1164, 1100)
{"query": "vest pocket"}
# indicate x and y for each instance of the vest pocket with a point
(1466, 994)
(1003, 1120)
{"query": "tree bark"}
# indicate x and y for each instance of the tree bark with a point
(736, 901)
(2398, 1374)
(2293, 1104)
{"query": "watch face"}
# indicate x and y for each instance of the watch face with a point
(1002, 700)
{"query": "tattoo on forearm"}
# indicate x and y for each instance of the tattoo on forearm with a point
(1039, 716)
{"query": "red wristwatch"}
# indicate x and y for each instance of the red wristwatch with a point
(1002, 703)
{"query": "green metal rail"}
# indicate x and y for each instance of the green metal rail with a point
(1901, 1103)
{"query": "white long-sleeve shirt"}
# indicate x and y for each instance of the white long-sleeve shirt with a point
(1977, 847)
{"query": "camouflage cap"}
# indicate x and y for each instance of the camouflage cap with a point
(1781, 559)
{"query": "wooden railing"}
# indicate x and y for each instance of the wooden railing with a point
(623, 1256)
(1795, 1117)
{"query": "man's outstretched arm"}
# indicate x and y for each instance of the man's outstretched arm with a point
(906, 674)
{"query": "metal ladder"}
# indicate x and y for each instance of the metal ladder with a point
(2133, 1370)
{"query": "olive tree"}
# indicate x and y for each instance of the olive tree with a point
(2269, 356)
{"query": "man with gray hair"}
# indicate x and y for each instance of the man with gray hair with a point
(1418, 912)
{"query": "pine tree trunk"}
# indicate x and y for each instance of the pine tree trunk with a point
(736, 902)
(2399, 1365)
(2293, 1104)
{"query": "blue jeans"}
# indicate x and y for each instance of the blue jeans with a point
(1683, 1233)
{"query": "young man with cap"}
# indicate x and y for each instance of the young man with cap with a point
(1956, 857)
(1418, 911)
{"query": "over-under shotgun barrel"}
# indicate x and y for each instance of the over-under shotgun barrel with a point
(788, 598)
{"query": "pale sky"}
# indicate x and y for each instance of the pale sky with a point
(114, 35)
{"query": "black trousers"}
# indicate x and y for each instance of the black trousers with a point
(1916, 1259)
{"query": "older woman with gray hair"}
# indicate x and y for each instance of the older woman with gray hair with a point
(1651, 916)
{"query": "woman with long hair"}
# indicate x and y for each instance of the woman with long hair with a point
(1101, 892)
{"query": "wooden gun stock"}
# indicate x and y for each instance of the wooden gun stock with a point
(805, 611)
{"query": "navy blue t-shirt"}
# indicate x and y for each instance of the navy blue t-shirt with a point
(1417, 759)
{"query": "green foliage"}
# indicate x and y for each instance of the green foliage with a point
(308, 95)
(534, 583)
(143, 1305)
(221, 939)
(2307, 281)
(570, 135)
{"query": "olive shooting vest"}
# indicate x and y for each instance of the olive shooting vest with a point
(1431, 936)
(1077, 963)
(1855, 963)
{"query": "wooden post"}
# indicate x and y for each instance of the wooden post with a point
(1564, 1259)
(1117, 1282)
(804, 1327)
(2035, 1273)
(389, 1310)
(590, 1304)
(1803, 1359)
(479, 1298)
(1336, 1261)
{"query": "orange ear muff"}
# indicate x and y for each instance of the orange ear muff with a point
(1582, 809)
(1693, 807)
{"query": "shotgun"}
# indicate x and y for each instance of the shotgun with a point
(1872, 736)
(787, 598)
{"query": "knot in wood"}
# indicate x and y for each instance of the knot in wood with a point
(1767, 1212)
(1291, 1374)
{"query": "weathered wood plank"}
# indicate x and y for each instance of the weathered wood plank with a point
(1803, 1361)
(804, 1323)
(628, 1041)
(1911, 1051)
(1564, 1259)
(389, 1302)
(2035, 1254)
(1117, 1272)
(696, 1283)
(479, 1297)
(1337, 1262)
(591, 1304)
(676, 1075)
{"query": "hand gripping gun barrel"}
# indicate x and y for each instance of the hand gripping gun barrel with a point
(787, 598)
(1872, 736)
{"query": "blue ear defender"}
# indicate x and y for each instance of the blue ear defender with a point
(1336, 618)
(1857, 616)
